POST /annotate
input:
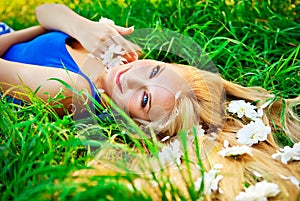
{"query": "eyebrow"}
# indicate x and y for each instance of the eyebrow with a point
(162, 68)
(150, 98)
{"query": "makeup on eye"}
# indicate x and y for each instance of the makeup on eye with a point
(145, 99)
(155, 71)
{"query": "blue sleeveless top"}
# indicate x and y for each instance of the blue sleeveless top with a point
(48, 50)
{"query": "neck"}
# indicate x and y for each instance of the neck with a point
(91, 67)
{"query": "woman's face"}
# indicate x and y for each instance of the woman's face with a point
(144, 89)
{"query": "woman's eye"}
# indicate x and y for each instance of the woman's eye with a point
(144, 100)
(154, 71)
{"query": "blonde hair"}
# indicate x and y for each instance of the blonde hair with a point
(198, 105)
(205, 105)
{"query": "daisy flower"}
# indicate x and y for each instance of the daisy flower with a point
(235, 150)
(170, 153)
(253, 133)
(259, 192)
(211, 180)
(241, 108)
(288, 153)
(293, 179)
(112, 57)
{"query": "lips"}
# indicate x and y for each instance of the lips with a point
(119, 77)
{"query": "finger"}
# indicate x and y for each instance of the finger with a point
(123, 30)
(103, 47)
(133, 55)
(130, 57)
(99, 51)
(128, 46)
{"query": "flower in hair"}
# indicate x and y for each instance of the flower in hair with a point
(170, 153)
(261, 191)
(287, 153)
(199, 131)
(177, 95)
(253, 133)
(293, 179)
(235, 150)
(165, 138)
(211, 180)
(241, 108)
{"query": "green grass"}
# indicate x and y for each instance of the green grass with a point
(253, 43)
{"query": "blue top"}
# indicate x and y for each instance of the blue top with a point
(48, 50)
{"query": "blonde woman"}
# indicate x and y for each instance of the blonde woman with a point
(234, 124)
(234, 127)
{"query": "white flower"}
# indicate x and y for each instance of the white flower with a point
(197, 130)
(287, 153)
(211, 180)
(253, 133)
(178, 94)
(257, 174)
(170, 153)
(235, 150)
(116, 62)
(106, 21)
(200, 130)
(260, 192)
(212, 136)
(165, 138)
(112, 57)
(241, 108)
(293, 179)
(260, 110)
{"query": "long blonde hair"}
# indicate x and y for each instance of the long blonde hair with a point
(210, 96)
(205, 105)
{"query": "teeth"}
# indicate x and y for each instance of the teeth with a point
(121, 78)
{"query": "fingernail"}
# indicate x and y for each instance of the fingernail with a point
(91, 56)
(135, 57)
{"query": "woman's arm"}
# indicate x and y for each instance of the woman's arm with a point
(38, 77)
(7, 40)
(62, 18)
(92, 35)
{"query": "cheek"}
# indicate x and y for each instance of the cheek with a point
(157, 112)
(131, 104)
(134, 107)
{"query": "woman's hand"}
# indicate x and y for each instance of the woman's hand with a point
(95, 37)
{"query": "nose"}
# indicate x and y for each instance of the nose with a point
(134, 82)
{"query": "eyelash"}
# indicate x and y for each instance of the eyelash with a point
(154, 71)
(145, 97)
(144, 100)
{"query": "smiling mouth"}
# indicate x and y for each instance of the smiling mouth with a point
(119, 78)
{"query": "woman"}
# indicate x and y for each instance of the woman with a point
(168, 98)
(73, 55)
